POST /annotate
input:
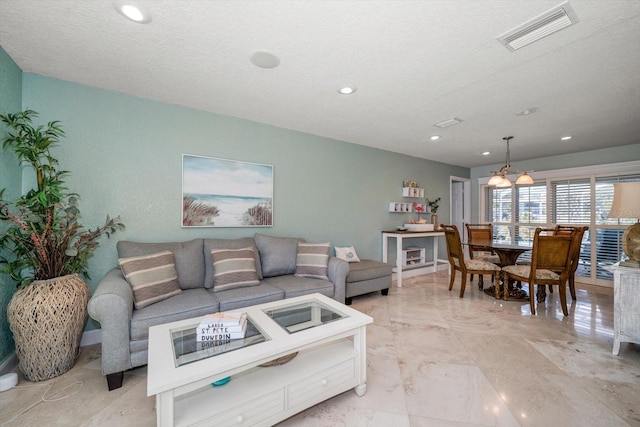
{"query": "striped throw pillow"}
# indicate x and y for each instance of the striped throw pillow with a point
(312, 260)
(233, 268)
(152, 277)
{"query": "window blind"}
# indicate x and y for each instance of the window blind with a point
(608, 231)
(571, 201)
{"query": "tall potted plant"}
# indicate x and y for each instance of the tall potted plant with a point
(45, 250)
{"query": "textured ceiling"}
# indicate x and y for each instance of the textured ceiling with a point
(414, 63)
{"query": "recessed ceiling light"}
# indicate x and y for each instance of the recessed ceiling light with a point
(528, 111)
(347, 90)
(486, 153)
(434, 137)
(566, 138)
(264, 59)
(133, 11)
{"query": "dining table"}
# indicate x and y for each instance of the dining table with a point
(508, 252)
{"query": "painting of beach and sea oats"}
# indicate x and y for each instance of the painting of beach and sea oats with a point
(226, 193)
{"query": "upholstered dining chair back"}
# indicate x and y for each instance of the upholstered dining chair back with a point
(576, 246)
(550, 265)
(479, 236)
(457, 261)
(454, 244)
(551, 251)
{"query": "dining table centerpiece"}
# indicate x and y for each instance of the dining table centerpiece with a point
(45, 251)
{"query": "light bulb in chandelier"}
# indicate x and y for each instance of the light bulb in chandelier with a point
(495, 179)
(504, 183)
(499, 178)
(524, 179)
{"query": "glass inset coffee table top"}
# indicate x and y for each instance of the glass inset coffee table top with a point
(187, 350)
(298, 317)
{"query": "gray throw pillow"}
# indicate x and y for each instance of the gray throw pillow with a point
(153, 278)
(234, 268)
(313, 260)
(211, 244)
(189, 258)
(277, 254)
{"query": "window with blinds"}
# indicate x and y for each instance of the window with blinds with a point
(579, 201)
(531, 208)
(604, 199)
(608, 231)
(571, 202)
(498, 204)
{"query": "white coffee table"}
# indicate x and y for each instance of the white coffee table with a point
(330, 339)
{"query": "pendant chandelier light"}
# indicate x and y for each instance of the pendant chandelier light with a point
(499, 178)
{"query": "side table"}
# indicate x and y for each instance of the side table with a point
(626, 306)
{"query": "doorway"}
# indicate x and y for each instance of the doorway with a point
(460, 196)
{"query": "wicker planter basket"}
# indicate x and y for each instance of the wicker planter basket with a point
(47, 319)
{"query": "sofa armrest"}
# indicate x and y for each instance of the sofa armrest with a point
(112, 306)
(338, 271)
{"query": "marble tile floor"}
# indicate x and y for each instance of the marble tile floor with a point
(433, 360)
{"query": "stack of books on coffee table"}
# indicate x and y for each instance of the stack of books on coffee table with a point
(222, 326)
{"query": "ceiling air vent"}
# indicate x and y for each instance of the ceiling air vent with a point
(561, 16)
(447, 123)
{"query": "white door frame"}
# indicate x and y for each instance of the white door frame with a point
(463, 200)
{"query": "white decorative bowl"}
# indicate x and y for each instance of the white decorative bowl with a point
(419, 227)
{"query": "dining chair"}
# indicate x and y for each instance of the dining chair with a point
(478, 236)
(576, 246)
(458, 262)
(550, 265)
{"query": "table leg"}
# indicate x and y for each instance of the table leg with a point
(616, 345)
(360, 346)
(399, 260)
(505, 288)
(435, 253)
(164, 409)
(385, 248)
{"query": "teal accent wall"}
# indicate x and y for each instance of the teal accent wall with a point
(124, 154)
(625, 153)
(125, 158)
(10, 180)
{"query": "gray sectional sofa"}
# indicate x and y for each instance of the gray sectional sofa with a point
(125, 328)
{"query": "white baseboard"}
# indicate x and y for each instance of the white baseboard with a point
(88, 338)
(91, 337)
(9, 364)
(443, 265)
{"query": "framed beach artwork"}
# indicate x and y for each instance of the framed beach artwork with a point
(226, 193)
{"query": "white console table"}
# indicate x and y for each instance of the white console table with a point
(626, 306)
(400, 236)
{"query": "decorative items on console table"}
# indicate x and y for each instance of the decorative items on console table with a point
(434, 205)
(626, 204)
(419, 209)
(45, 250)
